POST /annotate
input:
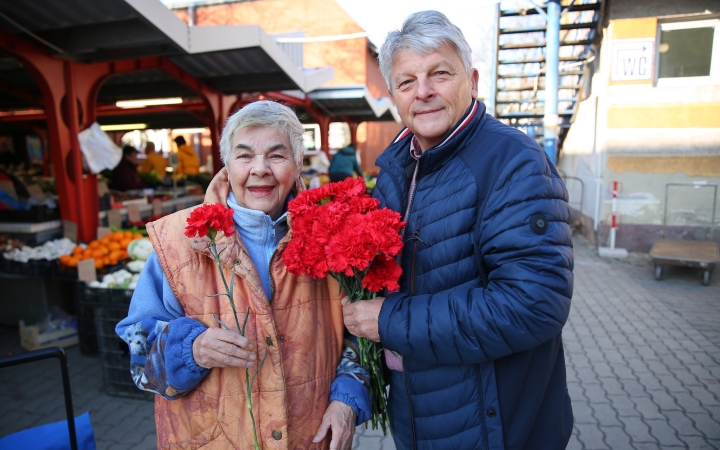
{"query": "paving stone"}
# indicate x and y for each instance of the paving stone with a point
(661, 430)
(698, 443)
(706, 425)
(624, 406)
(591, 437)
(605, 414)
(634, 388)
(647, 408)
(582, 413)
(638, 430)
(672, 384)
(689, 403)
(615, 437)
(665, 400)
(681, 423)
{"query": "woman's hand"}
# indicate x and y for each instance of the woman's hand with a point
(217, 347)
(219, 188)
(340, 419)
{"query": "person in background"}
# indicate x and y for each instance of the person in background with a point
(473, 336)
(125, 176)
(188, 161)
(343, 164)
(153, 161)
(311, 391)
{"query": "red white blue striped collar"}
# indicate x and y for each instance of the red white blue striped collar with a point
(473, 110)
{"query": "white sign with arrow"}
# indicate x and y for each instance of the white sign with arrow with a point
(633, 60)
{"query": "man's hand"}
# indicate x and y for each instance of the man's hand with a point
(219, 188)
(217, 347)
(340, 419)
(361, 317)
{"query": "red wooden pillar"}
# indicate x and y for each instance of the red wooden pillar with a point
(220, 107)
(324, 123)
(353, 131)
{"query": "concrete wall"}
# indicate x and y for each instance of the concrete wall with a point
(644, 134)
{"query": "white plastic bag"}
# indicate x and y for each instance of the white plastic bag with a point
(99, 150)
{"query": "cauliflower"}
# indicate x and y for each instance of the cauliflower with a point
(135, 266)
(140, 249)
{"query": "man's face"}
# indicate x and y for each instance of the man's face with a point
(431, 92)
(133, 158)
(262, 169)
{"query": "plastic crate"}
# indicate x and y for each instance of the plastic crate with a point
(35, 268)
(87, 299)
(38, 213)
(115, 355)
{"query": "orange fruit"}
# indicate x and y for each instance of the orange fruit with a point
(104, 250)
(64, 259)
(137, 236)
(72, 262)
(94, 244)
(124, 255)
(97, 254)
(125, 242)
(113, 246)
(117, 235)
(77, 250)
(128, 234)
(99, 263)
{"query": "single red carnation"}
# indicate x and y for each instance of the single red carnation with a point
(209, 219)
(384, 273)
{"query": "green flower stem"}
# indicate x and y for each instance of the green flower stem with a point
(371, 353)
(229, 293)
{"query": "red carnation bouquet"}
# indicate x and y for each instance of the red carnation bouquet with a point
(207, 220)
(338, 230)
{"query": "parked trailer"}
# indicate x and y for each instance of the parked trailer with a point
(679, 252)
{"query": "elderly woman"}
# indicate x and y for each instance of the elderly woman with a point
(309, 383)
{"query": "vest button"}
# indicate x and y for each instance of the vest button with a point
(491, 413)
(269, 341)
(277, 435)
(281, 337)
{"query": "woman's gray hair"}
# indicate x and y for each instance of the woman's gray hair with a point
(424, 32)
(264, 113)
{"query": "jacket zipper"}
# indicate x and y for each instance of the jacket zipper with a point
(407, 400)
(416, 238)
(482, 405)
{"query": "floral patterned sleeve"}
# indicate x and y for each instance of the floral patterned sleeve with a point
(160, 337)
(352, 382)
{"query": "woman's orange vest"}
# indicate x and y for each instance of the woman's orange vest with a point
(301, 331)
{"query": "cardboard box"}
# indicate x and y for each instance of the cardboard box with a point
(32, 339)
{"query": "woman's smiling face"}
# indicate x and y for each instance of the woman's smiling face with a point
(262, 169)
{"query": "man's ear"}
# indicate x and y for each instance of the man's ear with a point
(474, 78)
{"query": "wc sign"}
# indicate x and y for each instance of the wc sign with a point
(633, 60)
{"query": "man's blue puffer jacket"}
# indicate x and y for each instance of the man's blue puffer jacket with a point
(485, 291)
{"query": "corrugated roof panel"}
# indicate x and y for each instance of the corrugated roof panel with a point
(221, 64)
(40, 15)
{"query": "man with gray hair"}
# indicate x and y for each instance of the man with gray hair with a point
(473, 335)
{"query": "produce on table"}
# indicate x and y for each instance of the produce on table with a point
(121, 279)
(7, 244)
(135, 266)
(109, 250)
(49, 250)
(140, 249)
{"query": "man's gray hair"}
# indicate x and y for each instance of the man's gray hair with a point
(424, 32)
(264, 113)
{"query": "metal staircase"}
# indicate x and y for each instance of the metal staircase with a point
(519, 83)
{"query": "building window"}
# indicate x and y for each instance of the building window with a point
(689, 49)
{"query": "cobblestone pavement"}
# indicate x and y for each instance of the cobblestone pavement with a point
(643, 368)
